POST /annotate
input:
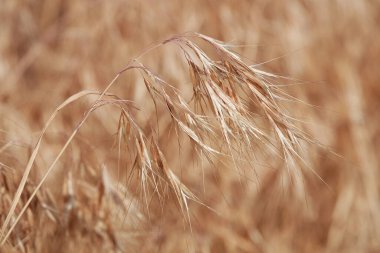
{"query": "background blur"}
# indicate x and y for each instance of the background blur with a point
(330, 52)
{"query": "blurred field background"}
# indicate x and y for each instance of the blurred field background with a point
(329, 52)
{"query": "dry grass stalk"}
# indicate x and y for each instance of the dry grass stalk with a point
(224, 91)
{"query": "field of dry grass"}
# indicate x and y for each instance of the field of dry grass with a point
(189, 126)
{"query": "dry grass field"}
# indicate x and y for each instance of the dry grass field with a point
(189, 126)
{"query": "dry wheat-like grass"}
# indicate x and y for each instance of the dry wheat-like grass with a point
(232, 110)
(94, 198)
